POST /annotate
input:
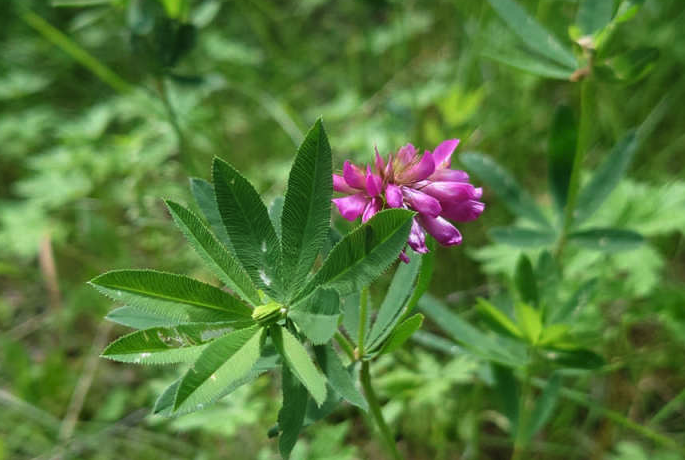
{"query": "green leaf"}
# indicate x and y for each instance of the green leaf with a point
(292, 413)
(562, 150)
(297, 358)
(544, 406)
(160, 345)
(606, 177)
(365, 253)
(203, 192)
(338, 377)
(398, 293)
(307, 207)
(580, 298)
(176, 297)
(525, 280)
(607, 239)
(494, 314)
(402, 333)
(248, 225)
(276, 213)
(317, 315)
(222, 263)
(425, 276)
(532, 33)
(507, 389)
(594, 15)
(529, 63)
(165, 401)
(137, 319)
(553, 334)
(529, 322)
(224, 361)
(576, 359)
(522, 237)
(350, 306)
(516, 199)
(629, 67)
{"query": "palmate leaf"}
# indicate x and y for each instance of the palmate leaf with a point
(222, 263)
(248, 225)
(161, 345)
(175, 297)
(338, 377)
(203, 192)
(292, 413)
(297, 358)
(365, 253)
(317, 315)
(307, 208)
(225, 361)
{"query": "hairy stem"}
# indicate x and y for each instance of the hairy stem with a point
(345, 345)
(375, 408)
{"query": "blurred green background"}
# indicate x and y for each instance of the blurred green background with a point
(108, 106)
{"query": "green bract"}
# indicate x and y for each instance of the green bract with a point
(271, 300)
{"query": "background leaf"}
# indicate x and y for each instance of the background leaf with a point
(401, 333)
(594, 15)
(525, 280)
(544, 406)
(338, 377)
(562, 150)
(522, 237)
(607, 239)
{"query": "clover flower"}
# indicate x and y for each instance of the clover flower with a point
(423, 183)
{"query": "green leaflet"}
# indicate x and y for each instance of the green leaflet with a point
(393, 304)
(203, 192)
(425, 276)
(532, 33)
(594, 15)
(223, 362)
(561, 152)
(504, 185)
(579, 299)
(297, 358)
(173, 296)
(525, 280)
(402, 333)
(213, 253)
(161, 345)
(307, 208)
(497, 317)
(529, 63)
(364, 253)
(248, 225)
(507, 388)
(275, 213)
(544, 406)
(529, 322)
(338, 377)
(607, 239)
(317, 315)
(292, 413)
(522, 237)
(137, 319)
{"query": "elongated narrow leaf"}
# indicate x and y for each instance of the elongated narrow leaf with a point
(297, 358)
(607, 239)
(276, 213)
(424, 278)
(507, 389)
(364, 253)
(223, 362)
(307, 207)
(350, 306)
(292, 413)
(522, 237)
(629, 67)
(606, 177)
(576, 359)
(338, 377)
(402, 333)
(317, 315)
(498, 318)
(504, 185)
(165, 401)
(160, 345)
(529, 322)
(532, 33)
(594, 15)
(529, 63)
(203, 192)
(248, 225)
(544, 406)
(176, 297)
(398, 293)
(222, 263)
(561, 152)
(580, 298)
(525, 280)
(138, 319)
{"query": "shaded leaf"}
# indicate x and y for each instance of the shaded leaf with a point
(317, 315)
(402, 333)
(607, 239)
(544, 406)
(529, 63)
(594, 15)
(525, 280)
(292, 413)
(576, 359)
(522, 237)
(561, 151)
(580, 298)
(629, 67)
(338, 377)
(508, 392)
(203, 192)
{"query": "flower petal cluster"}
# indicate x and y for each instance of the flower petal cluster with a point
(423, 183)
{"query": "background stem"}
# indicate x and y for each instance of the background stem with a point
(375, 409)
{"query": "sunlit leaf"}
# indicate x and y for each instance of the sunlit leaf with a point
(499, 318)
(529, 322)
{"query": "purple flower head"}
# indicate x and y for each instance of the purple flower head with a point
(423, 183)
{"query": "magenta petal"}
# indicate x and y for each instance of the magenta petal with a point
(419, 201)
(373, 183)
(352, 206)
(339, 185)
(406, 154)
(403, 256)
(451, 191)
(449, 175)
(380, 164)
(354, 176)
(372, 208)
(463, 211)
(393, 195)
(446, 233)
(421, 170)
(443, 153)
(417, 238)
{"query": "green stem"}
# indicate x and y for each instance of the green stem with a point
(375, 409)
(521, 439)
(186, 158)
(345, 345)
(363, 313)
(581, 149)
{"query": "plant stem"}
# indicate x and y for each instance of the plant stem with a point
(186, 158)
(375, 409)
(521, 439)
(581, 149)
(345, 345)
